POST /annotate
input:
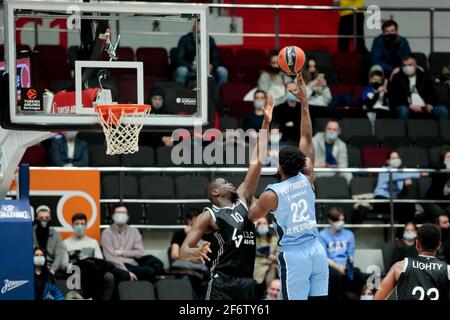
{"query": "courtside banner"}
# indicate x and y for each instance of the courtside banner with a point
(67, 192)
(16, 251)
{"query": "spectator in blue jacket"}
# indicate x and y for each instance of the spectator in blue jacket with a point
(44, 283)
(404, 212)
(67, 150)
(375, 96)
(389, 48)
(187, 62)
(339, 244)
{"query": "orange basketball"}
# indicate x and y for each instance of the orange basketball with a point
(291, 59)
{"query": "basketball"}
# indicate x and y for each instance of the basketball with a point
(291, 59)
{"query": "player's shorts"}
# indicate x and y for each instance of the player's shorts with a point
(303, 271)
(224, 287)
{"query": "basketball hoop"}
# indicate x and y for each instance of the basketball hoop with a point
(121, 124)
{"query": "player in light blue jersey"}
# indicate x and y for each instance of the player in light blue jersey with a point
(302, 258)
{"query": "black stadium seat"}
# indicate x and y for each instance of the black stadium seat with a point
(421, 59)
(157, 187)
(391, 133)
(145, 157)
(362, 185)
(191, 187)
(136, 290)
(174, 289)
(414, 157)
(435, 155)
(354, 157)
(99, 158)
(444, 126)
(437, 61)
(331, 188)
(356, 128)
(424, 132)
(163, 156)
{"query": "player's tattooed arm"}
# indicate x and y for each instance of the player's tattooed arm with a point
(389, 282)
(247, 188)
(267, 202)
(190, 250)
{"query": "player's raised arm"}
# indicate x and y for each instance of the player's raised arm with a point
(306, 131)
(389, 282)
(247, 188)
(190, 249)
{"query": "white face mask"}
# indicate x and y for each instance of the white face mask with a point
(120, 218)
(70, 135)
(395, 163)
(331, 136)
(409, 70)
(447, 163)
(409, 235)
(366, 297)
(259, 104)
(338, 225)
(39, 261)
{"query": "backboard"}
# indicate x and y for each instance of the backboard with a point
(94, 53)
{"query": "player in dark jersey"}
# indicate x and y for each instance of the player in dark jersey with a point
(230, 232)
(424, 277)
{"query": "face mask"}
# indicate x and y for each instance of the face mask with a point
(79, 230)
(409, 235)
(390, 38)
(120, 218)
(70, 135)
(409, 70)
(259, 104)
(395, 163)
(290, 97)
(157, 105)
(262, 231)
(331, 136)
(376, 85)
(366, 297)
(39, 261)
(338, 225)
(447, 163)
(44, 223)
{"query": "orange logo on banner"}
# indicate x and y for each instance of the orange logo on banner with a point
(31, 94)
(79, 192)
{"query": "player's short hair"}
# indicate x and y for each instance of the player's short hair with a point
(79, 216)
(429, 236)
(333, 120)
(335, 212)
(119, 205)
(389, 23)
(291, 160)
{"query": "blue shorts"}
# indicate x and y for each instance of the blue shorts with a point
(303, 271)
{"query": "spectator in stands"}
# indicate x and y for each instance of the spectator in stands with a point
(67, 150)
(274, 290)
(443, 223)
(444, 76)
(407, 246)
(83, 251)
(346, 25)
(411, 90)
(375, 97)
(44, 283)
(339, 244)
(123, 248)
(389, 48)
(253, 120)
(273, 79)
(266, 263)
(440, 189)
(319, 94)
(367, 294)
(401, 182)
(286, 118)
(330, 150)
(187, 63)
(49, 239)
(157, 101)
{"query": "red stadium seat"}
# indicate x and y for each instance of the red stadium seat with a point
(374, 157)
(53, 63)
(227, 59)
(156, 62)
(233, 93)
(35, 156)
(349, 67)
(249, 63)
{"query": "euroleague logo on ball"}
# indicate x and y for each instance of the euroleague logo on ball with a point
(31, 94)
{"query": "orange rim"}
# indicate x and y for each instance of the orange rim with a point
(119, 109)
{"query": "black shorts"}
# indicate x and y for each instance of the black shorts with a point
(224, 287)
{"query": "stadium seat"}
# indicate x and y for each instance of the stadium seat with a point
(92, 138)
(442, 94)
(227, 59)
(136, 290)
(322, 57)
(374, 157)
(53, 63)
(156, 187)
(19, 48)
(264, 181)
(162, 214)
(354, 157)
(387, 130)
(229, 123)
(163, 156)
(424, 185)
(249, 63)
(233, 91)
(388, 250)
(174, 289)
(437, 60)
(444, 126)
(99, 158)
(125, 54)
(358, 132)
(35, 155)
(156, 62)
(191, 186)
(170, 90)
(435, 154)
(424, 132)
(145, 157)
(421, 59)
(331, 188)
(362, 185)
(349, 67)
(414, 157)
(319, 124)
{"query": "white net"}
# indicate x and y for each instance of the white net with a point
(121, 126)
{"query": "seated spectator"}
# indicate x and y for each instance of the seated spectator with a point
(330, 151)
(84, 252)
(286, 117)
(389, 48)
(266, 263)
(48, 238)
(406, 247)
(123, 248)
(254, 119)
(157, 101)
(444, 76)
(273, 79)
(440, 189)
(67, 150)
(411, 90)
(404, 212)
(187, 51)
(319, 94)
(367, 293)
(339, 244)
(443, 223)
(44, 283)
(274, 290)
(375, 97)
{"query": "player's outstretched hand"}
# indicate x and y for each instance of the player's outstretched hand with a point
(268, 109)
(201, 253)
(298, 89)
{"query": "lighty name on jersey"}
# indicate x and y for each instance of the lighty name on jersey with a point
(291, 197)
(426, 266)
(301, 227)
(293, 186)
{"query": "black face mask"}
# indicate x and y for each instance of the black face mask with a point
(390, 38)
(273, 69)
(376, 85)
